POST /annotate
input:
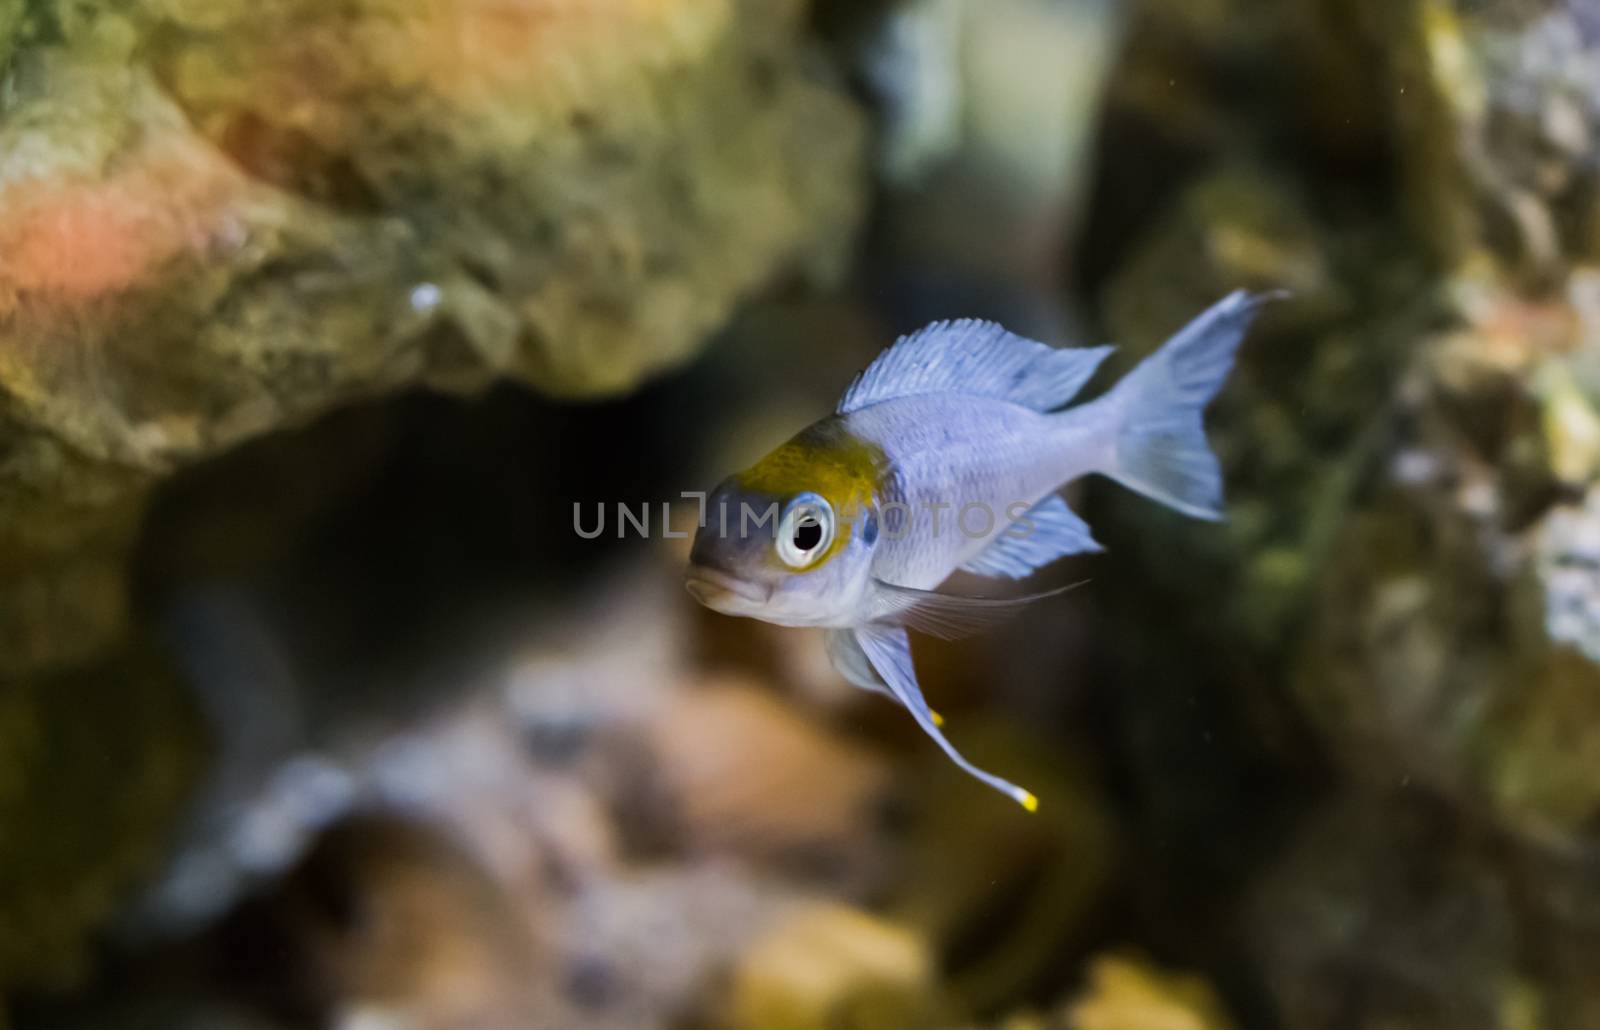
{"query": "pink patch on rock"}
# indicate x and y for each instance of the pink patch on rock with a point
(66, 242)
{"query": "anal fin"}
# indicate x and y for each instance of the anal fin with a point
(851, 662)
(888, 650)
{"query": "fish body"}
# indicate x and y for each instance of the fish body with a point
(954, 460)
(947, 454)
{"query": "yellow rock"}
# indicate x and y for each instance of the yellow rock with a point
(831, 966)
(1128, 994)
(1571, 427)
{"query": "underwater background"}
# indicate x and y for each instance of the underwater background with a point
(325, 324)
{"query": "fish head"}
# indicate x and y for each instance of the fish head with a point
(790, 540)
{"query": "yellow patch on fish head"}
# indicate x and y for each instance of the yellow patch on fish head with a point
(827, 460)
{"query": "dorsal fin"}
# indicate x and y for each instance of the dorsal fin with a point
(978, 359)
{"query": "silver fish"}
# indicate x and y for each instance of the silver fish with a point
(947, 453)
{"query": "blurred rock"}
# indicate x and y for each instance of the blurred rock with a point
(1453, 643)
(172, 1014)
(748, 776)
(1129, 994)
(1386, 912)
(221, 219)
(593, 835)
(986, 117)
(827, 966)
(1009, 89)
(96, 765)
(1409, 446)
(1341, 747)
(387, 921)
(1503, 103)
(1004, 912)
(1560, 922)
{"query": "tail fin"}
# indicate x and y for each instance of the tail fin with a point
(1160, 448)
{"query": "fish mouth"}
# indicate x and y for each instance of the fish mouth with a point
(714, 589)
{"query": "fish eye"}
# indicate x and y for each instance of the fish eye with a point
(805, 531)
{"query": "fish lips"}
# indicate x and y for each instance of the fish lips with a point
(720, 591)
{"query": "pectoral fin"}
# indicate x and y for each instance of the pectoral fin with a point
(1049, 530)
(950, 616)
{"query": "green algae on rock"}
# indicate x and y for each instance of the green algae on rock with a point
(96, 764)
